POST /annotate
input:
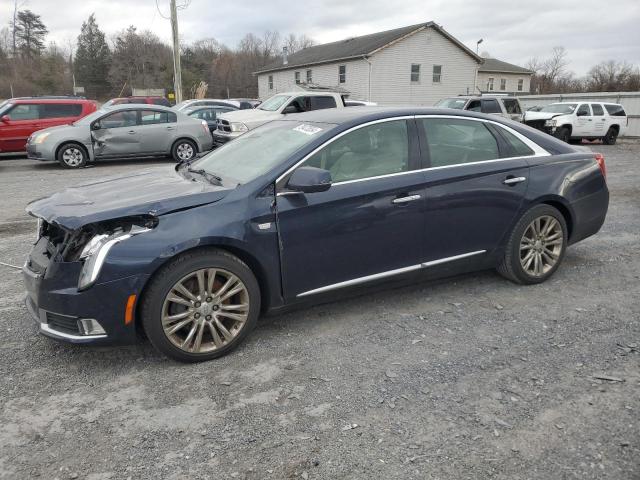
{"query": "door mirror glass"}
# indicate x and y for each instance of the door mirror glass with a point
(96, 126)
(5, 119)
(310, 180)
(290, 109)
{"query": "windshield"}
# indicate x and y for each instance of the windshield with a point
(274, 103)
(183, 104)
(457, 103)
(256, 152)
(566, 108)
(4, 107)
(91, 117)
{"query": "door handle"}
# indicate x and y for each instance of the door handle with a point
(131, 132)
(514, 180)
(171, 128)
(403, 200)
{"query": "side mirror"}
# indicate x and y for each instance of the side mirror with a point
(5, 119)
(310, 180)
(96, 126)
(289, 109)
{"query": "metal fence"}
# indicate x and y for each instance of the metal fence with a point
(629, 100)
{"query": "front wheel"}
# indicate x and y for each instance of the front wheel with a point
(611, 137)
(536, 246)
(72, 155)
(201, 306)
(184, 150)
(564, 134)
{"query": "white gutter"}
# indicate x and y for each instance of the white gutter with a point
(364, 57)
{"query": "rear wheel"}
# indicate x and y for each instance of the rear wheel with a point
(564, 134)
(201, 306)
(611, 137)
(72, 155)
(184, 150)
(536, 246)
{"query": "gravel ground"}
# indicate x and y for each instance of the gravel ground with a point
(471, 377)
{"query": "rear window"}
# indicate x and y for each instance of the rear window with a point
(615, 110)
(58, 110)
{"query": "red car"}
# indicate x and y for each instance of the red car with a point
(148, 100)
(20, 117)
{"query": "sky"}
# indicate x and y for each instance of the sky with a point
(513, 30)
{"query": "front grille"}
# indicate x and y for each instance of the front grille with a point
(223, 125)
(63, 323)
(538, 125)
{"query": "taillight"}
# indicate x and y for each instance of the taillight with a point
(205, 125)
(600, 160)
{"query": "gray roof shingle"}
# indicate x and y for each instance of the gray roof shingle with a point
(498, 66)
(354, 47)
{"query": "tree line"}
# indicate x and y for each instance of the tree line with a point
(110, 67)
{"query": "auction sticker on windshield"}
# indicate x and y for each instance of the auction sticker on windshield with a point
(307, 129)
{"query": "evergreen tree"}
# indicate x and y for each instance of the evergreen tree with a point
(30, 34)
(93, 59)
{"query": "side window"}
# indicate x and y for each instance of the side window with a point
(520, 84)
(161, 101)
(296, 76)
(584, 111)
(615, 110)
(320, 103)
(598, 111)
(301, 104)
(59, 110)
(415, 72)
(119, 119)
(309, 76)
(518, 147)
(474, 106)
(342, 74)
(270, 82)
(25, 111)
(490, 84)
(152, 117)
(371, 151)
(455, 142)
(512, 106)
(503, 84)
(490, 106)
(437, 73)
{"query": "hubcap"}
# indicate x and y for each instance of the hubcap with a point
(541, 245)
(72, 157)
(205, 310)
(185, 151)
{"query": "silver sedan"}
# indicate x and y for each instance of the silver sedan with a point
(122, 131)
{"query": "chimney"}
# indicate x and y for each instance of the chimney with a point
(285, 55)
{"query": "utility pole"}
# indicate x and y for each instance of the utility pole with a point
(177, 72)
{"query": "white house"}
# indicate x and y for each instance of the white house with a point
(496, 76)
(415, 65)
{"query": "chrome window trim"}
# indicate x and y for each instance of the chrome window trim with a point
(389, 273)
(537, 149)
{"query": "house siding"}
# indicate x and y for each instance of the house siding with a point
(512, 82)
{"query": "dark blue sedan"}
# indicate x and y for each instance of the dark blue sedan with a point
(299, 209)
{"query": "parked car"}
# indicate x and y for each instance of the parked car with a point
(138, 100)
(301, 208)
(232, 125)
(122, 131)
(573, 121)
(20, 117)
(505, 106)
(208, 114)
(247, 103)
(213, 102)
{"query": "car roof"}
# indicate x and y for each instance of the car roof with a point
(137, 106)
(307, 94)
(480, 97)
(53, 100)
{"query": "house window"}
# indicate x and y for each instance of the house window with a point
(415, 72)
(490, 84)
(342, 73)
(309, 76)
(520, 84)
(503, 84)
(297, 77)
(270, 82)
(437, 73)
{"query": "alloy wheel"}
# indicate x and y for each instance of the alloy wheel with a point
(541, 245)
(72, 157)
(205, 310)
(185, 151)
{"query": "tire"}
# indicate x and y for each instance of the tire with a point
(72, 155)
(215, 341)
(611, 137)
(564, 134)
(517, 249)
(184, 150)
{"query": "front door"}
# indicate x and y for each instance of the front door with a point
(474, 191)
(368, 225)
(24, 119)
(118, 135)
(600, 121)
(584, 125)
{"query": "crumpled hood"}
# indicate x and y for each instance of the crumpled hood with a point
(153, 192)
(541, 115)
(251, 117)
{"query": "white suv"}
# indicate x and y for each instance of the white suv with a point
(573, 121)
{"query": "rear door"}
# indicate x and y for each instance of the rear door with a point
(118, 135)
(369, 224)
(584, 125)
(475, 185)
(157, 131)
(52, 114)
(24, 119)
(601, 121)
(512, 108)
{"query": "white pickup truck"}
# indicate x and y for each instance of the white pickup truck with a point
(234, 124)
(573, 121)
